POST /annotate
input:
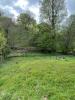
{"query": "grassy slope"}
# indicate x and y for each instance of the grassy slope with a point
(37, 78)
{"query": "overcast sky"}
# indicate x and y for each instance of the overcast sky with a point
(15, 7)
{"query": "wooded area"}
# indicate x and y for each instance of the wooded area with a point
(55, 31)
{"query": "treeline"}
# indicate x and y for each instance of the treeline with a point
(51, 34)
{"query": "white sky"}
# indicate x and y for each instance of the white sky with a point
(15, 7)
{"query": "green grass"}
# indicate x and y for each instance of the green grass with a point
(38, 77)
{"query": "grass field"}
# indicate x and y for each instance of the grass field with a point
(38, 77)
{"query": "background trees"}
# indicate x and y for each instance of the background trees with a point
(42, 38)
(3, 42)
(5, 25)
(68, 36)
(45, 35)
(27, 27)
(52, 12)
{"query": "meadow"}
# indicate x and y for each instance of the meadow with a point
(38, 77)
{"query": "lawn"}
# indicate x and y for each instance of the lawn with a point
(38, 77)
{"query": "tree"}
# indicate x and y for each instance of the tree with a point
(68, 37)
(52, 12)
(26, 20)
(5, 24)
(28, 25)
(42, 38)
(3, 41)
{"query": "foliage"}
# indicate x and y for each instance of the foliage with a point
(43, 39)
(26, 20)
(25, 32)
(53, 11)
(2, 41)
(68, 36)
(27, 24)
